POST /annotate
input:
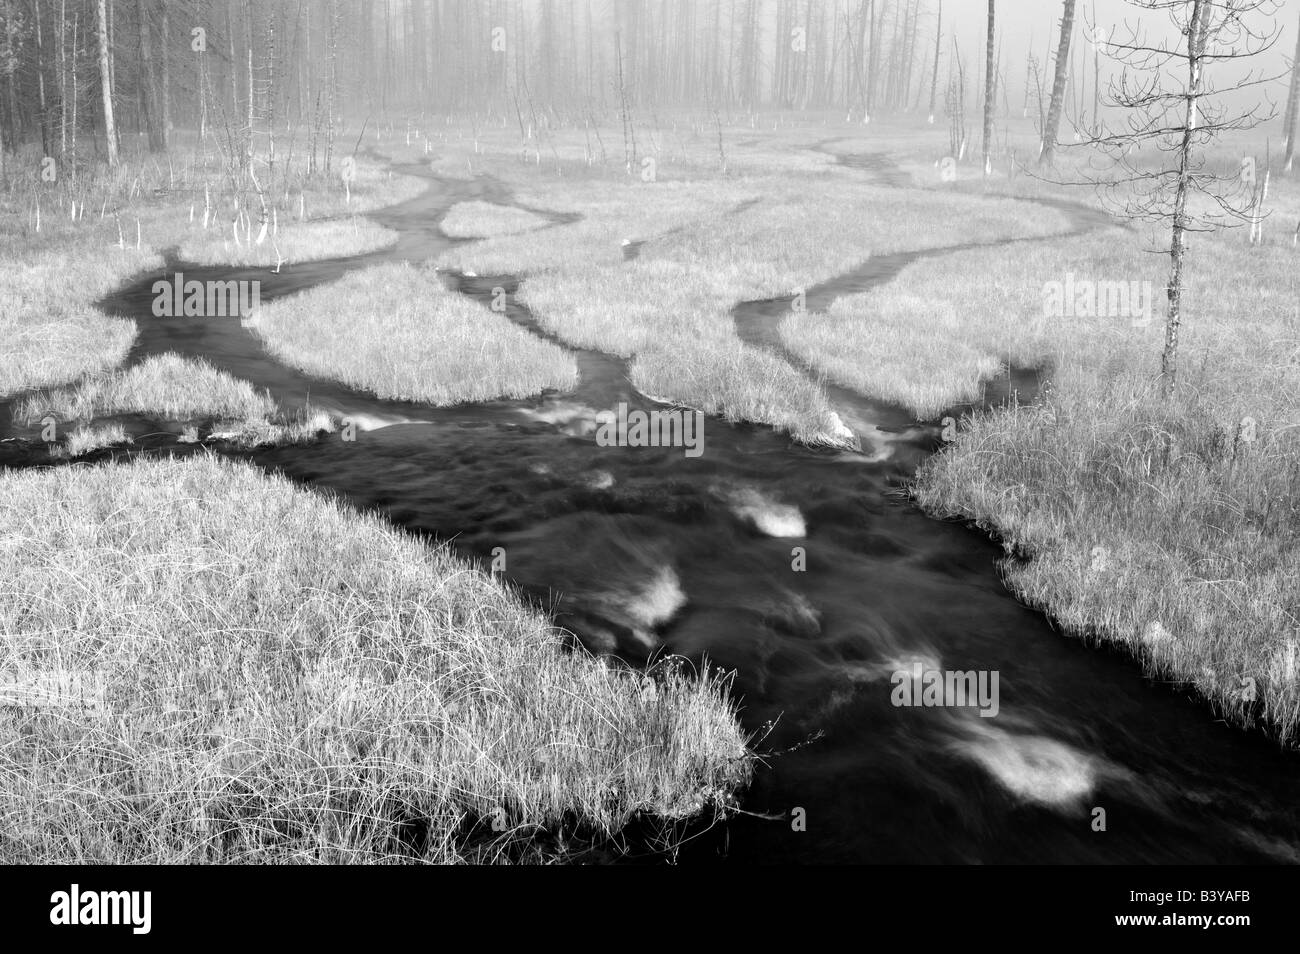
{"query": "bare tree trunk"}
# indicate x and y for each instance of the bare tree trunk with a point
(157, 142)
(40, 83)
(234, 63)
(1058, 86)
(911, 54)
(1096, 73)
(333, 83)
(72, 131)
(63, 80)
(1196, 38)
(934, 79)
(1293, 107)
(270, 98)
(165, 26)
(15, 124)
(989, 93)
(249, 106)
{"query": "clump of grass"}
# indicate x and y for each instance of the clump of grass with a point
(874, 344)
(737, 382)
(487, 219)
(166, 386)
(306, 425)
(247, 672)
(931, 337)
(304, 242)
(51, 330)
(398, 332)
(626, 308)
(84, 440)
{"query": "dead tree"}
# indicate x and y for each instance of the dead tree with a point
(934, 77)
(989, 97)
(956, 105)
(1179, 119)
(148, 95)
(1292, 106)
(105, 84)
(1048, 147)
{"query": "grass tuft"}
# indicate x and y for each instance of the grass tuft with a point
(398, 332)
(204, 664)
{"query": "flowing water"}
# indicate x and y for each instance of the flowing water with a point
(805, 570)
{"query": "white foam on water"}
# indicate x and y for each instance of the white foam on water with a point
(886, 668)
(656, 601)
(770, 516)
(374, 422)
(600, 480)
(1033, 767)
(573, 417)
(841, 431)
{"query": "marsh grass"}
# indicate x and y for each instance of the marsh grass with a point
(86, 440)
(487, 220)
(303, 425)
(671, 306)
(67, 244)
(295, 242)
(738, 382)
(398, 332)
(50, 330)
(708, 245)
(166, 386)
(1167, 527)
(233, 669)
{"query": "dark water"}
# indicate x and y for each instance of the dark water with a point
(644, 551)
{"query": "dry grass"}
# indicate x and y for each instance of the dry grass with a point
(304, 242)
(398, 332)
(204, 664)
(487, 220)
(709, 245)
(165, 386)
(85, 440)
(67, 244)
(737, 382)
(50, 331)
(1169, 528)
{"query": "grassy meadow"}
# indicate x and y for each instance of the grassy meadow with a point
(247, 672)
(709, 241)
(398, 332)
(66, 243)
(488, 220)
(304, 242)
(337, 691)
(167, 385)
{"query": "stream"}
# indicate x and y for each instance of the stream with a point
(644, 552)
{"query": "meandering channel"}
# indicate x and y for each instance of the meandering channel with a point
(643, 551)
